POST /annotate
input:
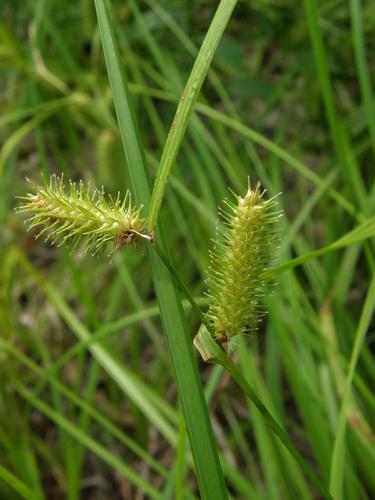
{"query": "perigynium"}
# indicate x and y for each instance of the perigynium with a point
(239, 260)
(75, 213)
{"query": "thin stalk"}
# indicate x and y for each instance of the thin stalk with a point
(179, 281)
(87, 441)
(339, 138)
(194, 407)
(211, 351)
(338, 454)
(362, 67)
(16, 484)
(279, 152)
(359, 234)
(186, 104)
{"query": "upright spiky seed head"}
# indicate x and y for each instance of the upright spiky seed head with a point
(76, 213)
(239, 260)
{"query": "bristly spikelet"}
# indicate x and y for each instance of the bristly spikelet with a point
(74, 213)
(238, 262)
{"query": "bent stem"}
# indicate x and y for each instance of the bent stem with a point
(211, 351)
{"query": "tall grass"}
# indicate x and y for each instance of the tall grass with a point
(90, 397)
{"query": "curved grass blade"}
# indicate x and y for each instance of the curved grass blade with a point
(362, 68)
(360, 233)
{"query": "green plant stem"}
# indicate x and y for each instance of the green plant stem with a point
(178, 281)
(16, 484)
(341, 143)
(211, 351)
(194, 407)
(362, 68)
(338, 454)
(186, 104)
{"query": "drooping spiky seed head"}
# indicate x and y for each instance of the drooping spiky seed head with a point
(75, 213)
(239, 260)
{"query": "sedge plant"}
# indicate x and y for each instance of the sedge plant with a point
(313, 358)
(239, 276)
(237, 279)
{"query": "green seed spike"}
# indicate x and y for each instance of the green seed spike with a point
(239, 260)
(75, 213)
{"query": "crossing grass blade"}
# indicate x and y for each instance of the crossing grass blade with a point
(359, 234)
(338, 134)
(123, 377)
(78, 401)
(87, 441)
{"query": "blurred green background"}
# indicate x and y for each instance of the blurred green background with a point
(98, 421)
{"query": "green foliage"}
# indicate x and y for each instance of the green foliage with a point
(88, 398)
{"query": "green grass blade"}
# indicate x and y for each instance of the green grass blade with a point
(362, 68)
(260, 140)
(276, 150)
(81, 403)
(87, 441)
(350, 172)
(338, 455)
(19, 486)
(210, 478)
(210, 350)
(120, 374)
(186, 104)
(360, 233)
